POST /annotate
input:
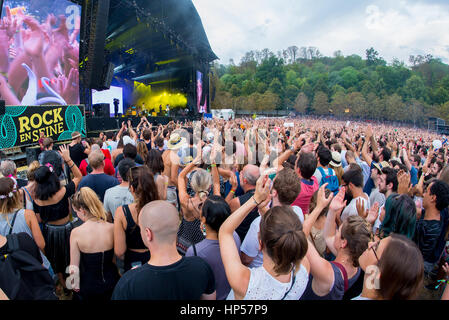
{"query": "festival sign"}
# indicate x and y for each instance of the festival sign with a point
(21, 125)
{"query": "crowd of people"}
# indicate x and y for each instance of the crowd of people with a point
(268, 209)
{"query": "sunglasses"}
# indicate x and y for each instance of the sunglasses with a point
(374, 247)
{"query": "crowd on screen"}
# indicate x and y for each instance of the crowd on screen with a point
(264, 209)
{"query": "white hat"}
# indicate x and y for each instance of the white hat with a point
(437, 144)
(336, 159)
(127, 139)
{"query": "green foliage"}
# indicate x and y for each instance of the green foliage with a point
(304, 80)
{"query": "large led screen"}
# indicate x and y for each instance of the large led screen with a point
(39, 52)
(108, 96)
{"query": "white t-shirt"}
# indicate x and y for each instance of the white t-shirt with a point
(115, 197)
(351, 208)
(250, 245)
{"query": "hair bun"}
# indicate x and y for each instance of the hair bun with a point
(42, 174)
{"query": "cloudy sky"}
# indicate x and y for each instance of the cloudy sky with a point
(396, 29)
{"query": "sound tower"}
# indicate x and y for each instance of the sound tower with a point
(108, 73)
(93, 38)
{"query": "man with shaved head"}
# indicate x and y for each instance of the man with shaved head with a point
(248, 178)
(168, 275)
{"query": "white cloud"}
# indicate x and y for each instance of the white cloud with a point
(397, 29)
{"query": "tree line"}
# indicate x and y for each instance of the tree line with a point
(303, 80)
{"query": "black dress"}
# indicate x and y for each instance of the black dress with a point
(98, 276)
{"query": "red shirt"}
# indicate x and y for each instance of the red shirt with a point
(106, 153)
(108, 167)
(308, 188)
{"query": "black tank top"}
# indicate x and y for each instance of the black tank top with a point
(133, 237)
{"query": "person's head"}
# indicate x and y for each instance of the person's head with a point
(142, 185)
(399, 265)
(282, 238)
(388, 181)
(159, 142)
(353, 237)
(124, 166)
(400, 216)
(32, 167)
(154, 161)
(201, 183)
(48, 143)
(142, 150)
(436, 195)
(349, 156)
(214, 212)
(8, 168)
(98, 142)
(306, 165)
(159, 223)
(10, 199)
(248, 177)
(435, 168)
(353, 180)
(130, 151)
(415, 160)
(87, 205)
(385, 154)
(324, 156)
(146, 134)
(109, 135)
(96, 160)
(47, 183)
(336, 147)
(76, 137)
(286, 186)
(444, 175)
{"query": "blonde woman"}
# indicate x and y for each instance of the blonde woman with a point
(92, 249)
(29, 188)
(142, 150)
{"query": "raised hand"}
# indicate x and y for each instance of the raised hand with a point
(338, 203)
(321, 200)
(33, 39)
(404, 185)
(263, 188)
(64, 152)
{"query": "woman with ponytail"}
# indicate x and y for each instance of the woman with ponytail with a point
(285, 268)
(190, 231)
(331, 280)
(93, 272)
(51, 204)
(128, 244)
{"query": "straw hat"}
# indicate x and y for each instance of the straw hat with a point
(176, 142)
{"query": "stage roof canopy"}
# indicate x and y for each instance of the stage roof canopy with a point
(148, 39)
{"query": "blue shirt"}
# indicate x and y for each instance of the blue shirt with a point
(98, 183)
(414, 175)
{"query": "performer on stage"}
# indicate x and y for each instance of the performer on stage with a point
(167, 110)
(116, 103)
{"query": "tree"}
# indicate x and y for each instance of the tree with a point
(339, 103)
(235, 91)
(372, 57)
(301, 103)
(394, 107)
(291, 92)
(292, 53)
(270, 69)
(248, 87)
(276, 87)
(415, 88)
(291, 77)
(357, 104)
(320, 103)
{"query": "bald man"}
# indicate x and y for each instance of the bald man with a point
(168, 275)
(248, 178)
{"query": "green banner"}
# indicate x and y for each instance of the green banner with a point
(21, 125)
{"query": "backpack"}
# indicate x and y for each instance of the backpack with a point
(52, 157)
(22, 277)
(88, 168)
(330, 179)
